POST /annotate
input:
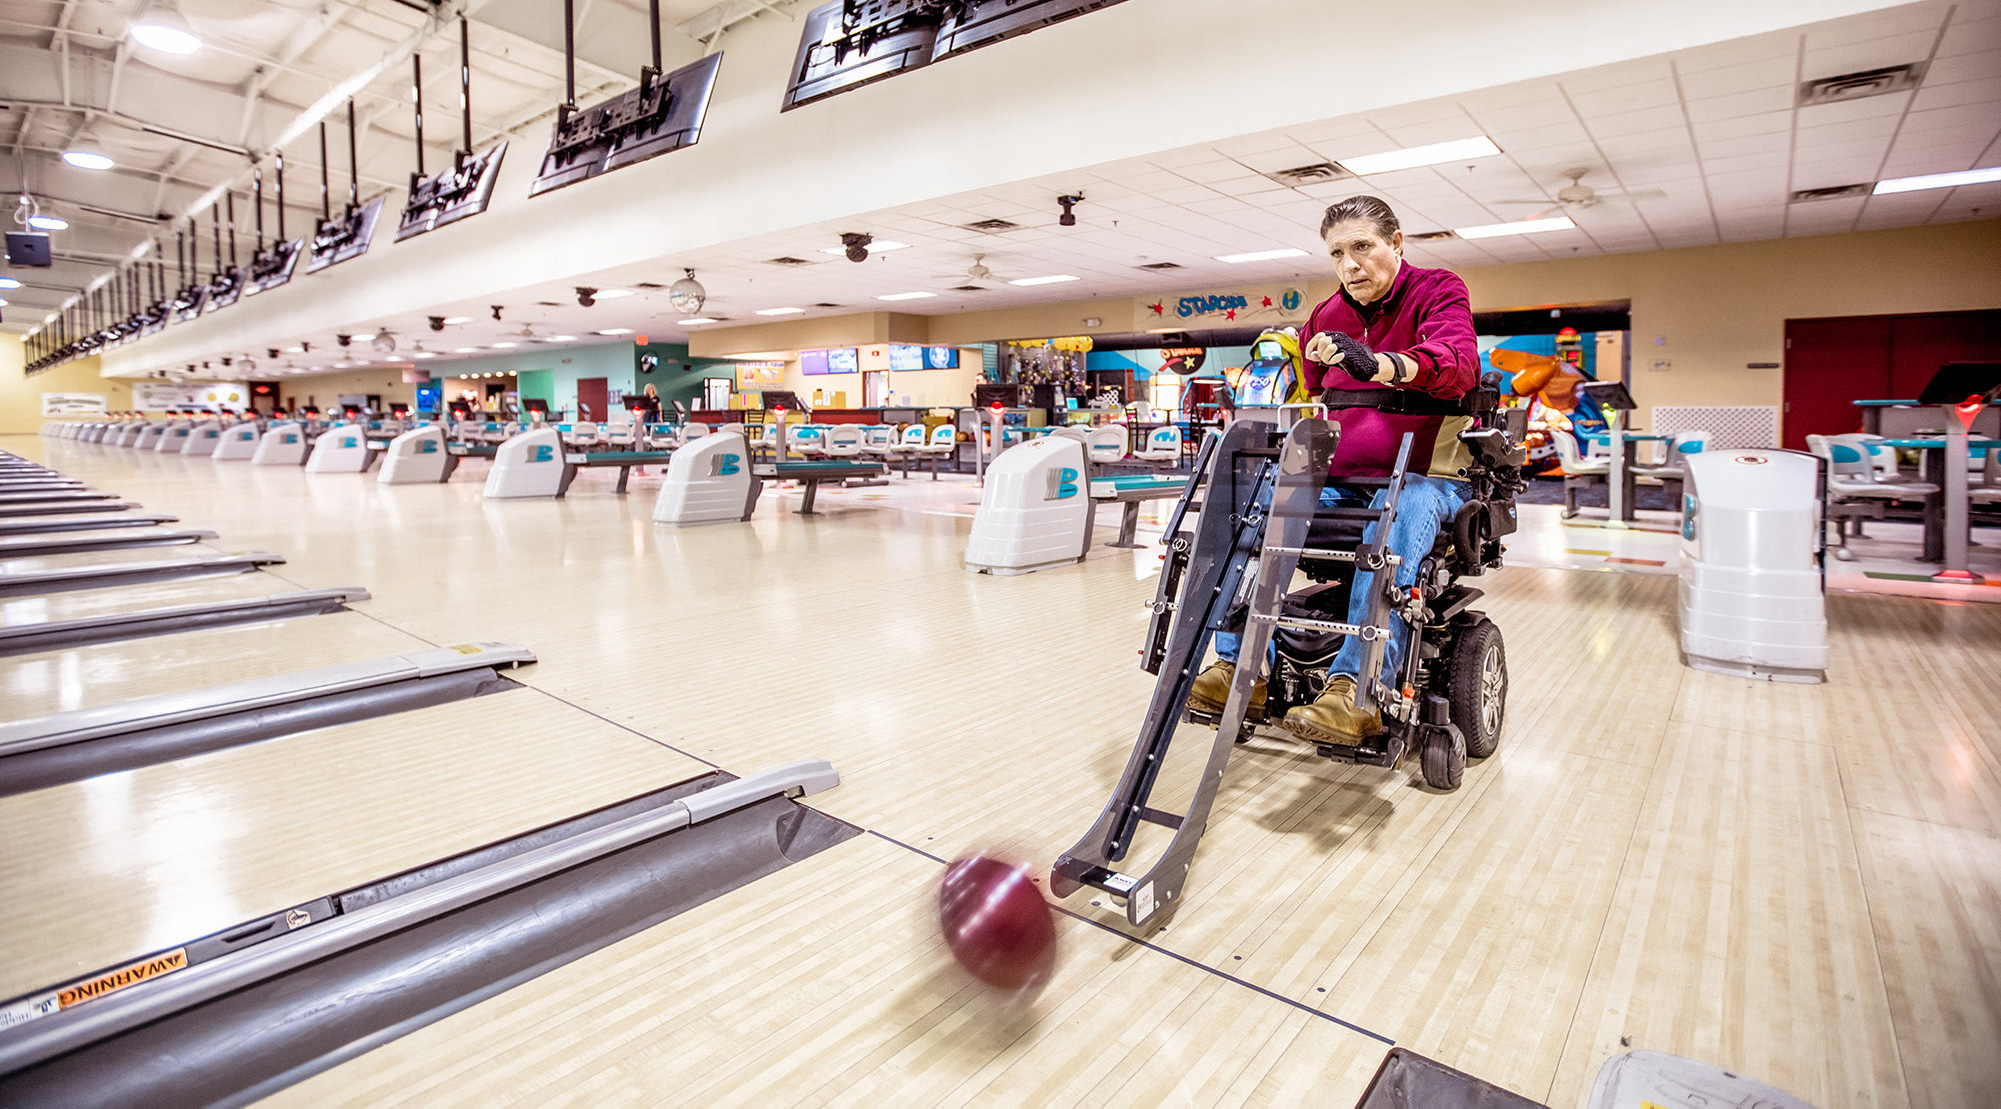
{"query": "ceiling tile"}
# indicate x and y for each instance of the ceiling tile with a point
(1513, 140)
(1743, 77)
(1970, 120)
(1971, 36)
(1740, 104)
(1754, 48)
(1534, 113)
(1632, 123)
(1622, 99)
(1874, 53)
(1931, 96)
(1855, 111)
(1616, 76)
(1289, 156)
(1762, 123)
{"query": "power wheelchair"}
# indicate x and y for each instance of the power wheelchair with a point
(1259, 522)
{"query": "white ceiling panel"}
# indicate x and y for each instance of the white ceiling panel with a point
(1779, 72)
(1740, 104)
(1970, 34)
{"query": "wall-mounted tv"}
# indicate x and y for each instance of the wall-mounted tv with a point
(845, 360)
(903, 356)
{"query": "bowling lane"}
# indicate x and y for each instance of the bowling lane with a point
(116, 866)
(47, 607)
(36, 564)
(107, 673)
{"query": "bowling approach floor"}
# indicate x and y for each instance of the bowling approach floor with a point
(1799, 883)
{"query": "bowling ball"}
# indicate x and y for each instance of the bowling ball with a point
(997, 923)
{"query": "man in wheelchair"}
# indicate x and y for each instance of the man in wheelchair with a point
(1421, 484)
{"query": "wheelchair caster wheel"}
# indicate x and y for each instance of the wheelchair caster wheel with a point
(1444, 759)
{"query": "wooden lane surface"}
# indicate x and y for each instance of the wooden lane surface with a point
(107, 673)
(48, 607)
(35, 564)
(119, 865)
(966, 711)
(847, 997)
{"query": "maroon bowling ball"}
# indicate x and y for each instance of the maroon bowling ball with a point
(997, 923)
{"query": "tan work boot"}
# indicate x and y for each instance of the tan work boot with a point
(1333, 717)
(1212, 689)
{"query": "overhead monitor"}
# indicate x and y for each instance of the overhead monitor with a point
(781, 398)
(904, 356)
(225, 289)
(879, 40)
(1608, 394)
(461, 189)
(29, 248)
(642, 123)
(845, 360)
(344, 237)
(274, 267)
(190, 303)
(1956, 381)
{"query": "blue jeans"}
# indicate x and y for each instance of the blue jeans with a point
(1425, 507)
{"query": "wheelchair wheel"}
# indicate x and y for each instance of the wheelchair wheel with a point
(1443, 760)
(1477, 686)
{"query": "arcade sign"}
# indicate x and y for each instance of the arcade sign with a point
(1241, 307)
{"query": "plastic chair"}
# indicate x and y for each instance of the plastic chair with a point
(1163, 444)
(1852, 489)
(690, 432)
(942, 441)
(1107, 444)
(1672, 471)
(878, 441)
(843, 441)
(808, 440)
(1578, 472)
(909, 446)
(1989, 489)
(584, 436)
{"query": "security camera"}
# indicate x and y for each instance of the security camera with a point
(857, 244)
(437, 322)
(227, 361)
(1069, 218)
(343, 340)
(271, 352)
(496, 311)
(586, 295)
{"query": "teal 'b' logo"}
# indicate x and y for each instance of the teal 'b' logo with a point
(727, 465)
(1067, 486)
(291, 438)
(1291, 300)
(347, 444)
(427, 446)
(1688, 510)
(543, 454)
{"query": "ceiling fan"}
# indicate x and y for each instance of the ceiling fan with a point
(975, 274)
(1577, 196)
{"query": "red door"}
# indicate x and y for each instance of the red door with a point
(1829, 364)
(591, 403)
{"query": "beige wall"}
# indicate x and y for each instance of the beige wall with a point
(386, 383)
(925, 388)
(1709, 311)
(21, 396)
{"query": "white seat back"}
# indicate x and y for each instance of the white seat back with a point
(1107, 443)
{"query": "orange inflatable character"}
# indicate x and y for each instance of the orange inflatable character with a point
(1547, 379)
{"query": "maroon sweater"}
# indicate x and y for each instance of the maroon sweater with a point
(1427, 318)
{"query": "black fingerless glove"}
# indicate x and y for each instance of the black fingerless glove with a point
(1357, 360)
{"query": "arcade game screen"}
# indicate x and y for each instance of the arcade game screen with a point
(1542, 372)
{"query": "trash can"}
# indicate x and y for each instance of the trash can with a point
(1752, 596)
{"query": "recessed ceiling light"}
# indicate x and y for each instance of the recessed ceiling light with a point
(511, 373)
(458, 319)
(3, 303)
(875, 247)
(611, 294)
(505, 346)
(87, 159)
(48, 223)
(779, 311)
(1053, 279)
(466, 350)
(694, 322)
(1938, 180)
(1517, 227)
(424, 354)
(163, 30)
(616, 331)
(295, 350)
(9, 283)
(562, 338)
(1411, 157)
(907, 296)
(1261, 256)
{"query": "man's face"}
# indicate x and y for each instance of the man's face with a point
(1365, 262)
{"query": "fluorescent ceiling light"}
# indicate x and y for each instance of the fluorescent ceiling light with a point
(611, 294)
(1938, 180)
(695, 322)
(458, 319)
(876, 247)
(86, 159)
(161, 32)
(9, 283)
(1517, 227)
(295, 350)
(1053, 279)
(3, 303)
(424, 354)
(48, 223)
(466, 350)
(1261, 256)
(616, 331)
(906, 296)
(1411, 157)
(505, 346)
(779, 311)
(562, 338)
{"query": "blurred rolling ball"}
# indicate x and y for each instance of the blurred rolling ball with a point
(997, 923)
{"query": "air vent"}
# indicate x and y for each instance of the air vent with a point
(1855, 86)
(550, 303)
(824, 304)
(788, 261)
(1307, 175)
(993, 225)
(1832, 192)
(1427, 236)
(967, 289)
(1161, 266)
(649, 285)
